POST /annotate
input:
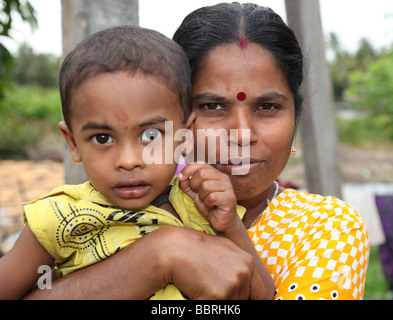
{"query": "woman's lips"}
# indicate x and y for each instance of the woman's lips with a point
(243, 167)
(132, 189)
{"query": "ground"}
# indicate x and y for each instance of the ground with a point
(22, 181)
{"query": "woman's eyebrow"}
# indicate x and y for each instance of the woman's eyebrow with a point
(272, 96)
(212, 97)
(208, 96)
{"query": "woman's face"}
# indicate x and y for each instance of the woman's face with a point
(244, 89)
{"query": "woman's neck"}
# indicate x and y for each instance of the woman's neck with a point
(256, 205)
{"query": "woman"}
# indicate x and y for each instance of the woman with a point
(247, 72)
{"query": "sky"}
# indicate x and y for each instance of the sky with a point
(351, 20)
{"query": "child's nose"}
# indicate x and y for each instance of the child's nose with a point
(129, 158)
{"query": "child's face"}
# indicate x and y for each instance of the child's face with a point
(114, 116)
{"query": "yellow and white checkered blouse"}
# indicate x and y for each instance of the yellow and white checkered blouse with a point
(314, 247)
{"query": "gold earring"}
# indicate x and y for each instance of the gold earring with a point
(293, 151)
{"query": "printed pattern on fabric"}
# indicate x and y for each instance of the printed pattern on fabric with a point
(78, 226)
(314, 247)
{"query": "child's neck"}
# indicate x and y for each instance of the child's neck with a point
(162, 201)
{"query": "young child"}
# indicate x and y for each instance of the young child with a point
(119, 88)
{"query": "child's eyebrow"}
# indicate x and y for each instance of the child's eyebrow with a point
(153, 121)
(95, 126)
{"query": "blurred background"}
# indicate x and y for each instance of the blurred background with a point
(358, 38)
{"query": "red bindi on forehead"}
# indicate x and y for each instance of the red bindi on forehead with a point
(121, 116)
(241, 96)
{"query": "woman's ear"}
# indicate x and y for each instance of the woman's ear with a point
(69, 138)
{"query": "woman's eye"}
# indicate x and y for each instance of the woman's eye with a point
(211, 106)
(102, 139)
(267, 107)
(150, 135)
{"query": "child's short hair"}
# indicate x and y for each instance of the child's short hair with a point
(131, 49)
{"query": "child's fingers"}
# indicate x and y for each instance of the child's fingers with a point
(190, 169)
(198, 174)
(220, 209)
(224, 200)
(200, 181)
(185, 181)
(212, 186)
(202, 171)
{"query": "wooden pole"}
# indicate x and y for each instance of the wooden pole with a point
(81, 18)
(318, 126)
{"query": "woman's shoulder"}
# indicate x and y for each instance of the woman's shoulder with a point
(295, 202)
(305, 197)
(297, 198)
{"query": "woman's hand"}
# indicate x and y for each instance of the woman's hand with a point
(209, 267)
(200, 265)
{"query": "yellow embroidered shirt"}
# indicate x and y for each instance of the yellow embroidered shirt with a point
(314, 247)
(78, 226)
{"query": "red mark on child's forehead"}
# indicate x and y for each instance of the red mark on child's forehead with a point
(243, 43)
(121, 116)
(241, 96)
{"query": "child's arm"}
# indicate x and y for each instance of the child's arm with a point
(19, 267)
(214, 196)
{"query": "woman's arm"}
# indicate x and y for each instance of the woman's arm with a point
(330, 260)
(200, 265)
(19, 267)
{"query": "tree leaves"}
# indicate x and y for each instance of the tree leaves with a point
(8, 7)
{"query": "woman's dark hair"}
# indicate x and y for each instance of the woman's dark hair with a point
(225, 23)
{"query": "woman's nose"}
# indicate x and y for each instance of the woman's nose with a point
(242, 128)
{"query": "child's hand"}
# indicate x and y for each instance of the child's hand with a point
(213, 195)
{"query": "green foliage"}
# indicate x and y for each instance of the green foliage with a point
(7, 7)
(32, 102)
(376, 285)
(5, 67)
(344, 63)
(35, 69)
(18, 136)
(21, 7)
(363, 80)
(371, 89)
(366, 132)
(27, 114)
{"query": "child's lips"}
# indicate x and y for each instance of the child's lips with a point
(132, 189)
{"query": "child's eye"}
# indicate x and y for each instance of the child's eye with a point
(102, 139)
(150, 135)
